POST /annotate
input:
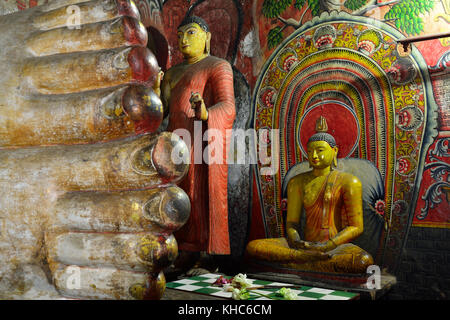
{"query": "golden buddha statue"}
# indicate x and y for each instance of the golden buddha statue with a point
(332, 202)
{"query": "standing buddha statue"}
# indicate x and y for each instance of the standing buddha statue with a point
(199, 92)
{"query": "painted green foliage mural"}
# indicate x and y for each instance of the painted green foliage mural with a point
(274, 8)
(404, 14)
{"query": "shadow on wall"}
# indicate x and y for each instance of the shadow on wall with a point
(158, 44)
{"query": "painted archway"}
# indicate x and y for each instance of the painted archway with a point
(379, 106)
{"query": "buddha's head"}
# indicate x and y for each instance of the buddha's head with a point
(193, 37)
(322, 149)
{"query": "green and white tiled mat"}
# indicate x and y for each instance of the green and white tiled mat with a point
(203, 285)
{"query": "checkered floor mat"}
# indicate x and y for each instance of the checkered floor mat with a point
(203, 284)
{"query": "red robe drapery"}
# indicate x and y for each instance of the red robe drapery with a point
(206, 185)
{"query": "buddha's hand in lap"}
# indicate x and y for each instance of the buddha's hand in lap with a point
(316, 246)
(314, 250)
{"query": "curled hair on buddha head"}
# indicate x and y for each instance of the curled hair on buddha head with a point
(322, 135)
(194, 19)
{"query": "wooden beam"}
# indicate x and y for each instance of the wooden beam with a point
(405, 42)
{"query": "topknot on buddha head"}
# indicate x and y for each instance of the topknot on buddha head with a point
(322, 134)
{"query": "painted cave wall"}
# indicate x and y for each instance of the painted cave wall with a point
(300, 58)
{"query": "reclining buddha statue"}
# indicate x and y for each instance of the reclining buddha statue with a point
(332, 203)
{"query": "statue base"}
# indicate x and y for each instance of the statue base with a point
(337, 281)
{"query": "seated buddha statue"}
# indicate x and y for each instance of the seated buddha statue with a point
(332, 203)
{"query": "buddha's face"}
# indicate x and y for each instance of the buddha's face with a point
(321, 154)
(192, 40)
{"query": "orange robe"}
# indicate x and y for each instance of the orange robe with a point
(206, 185)
(331, 211)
